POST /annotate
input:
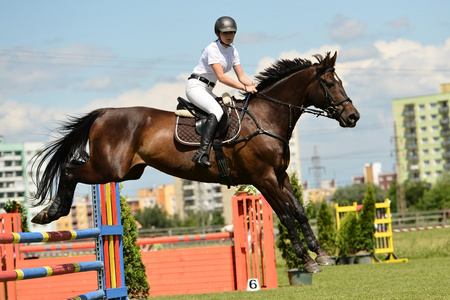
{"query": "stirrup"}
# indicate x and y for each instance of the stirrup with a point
(201, 158)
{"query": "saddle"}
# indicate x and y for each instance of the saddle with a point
(190, 121)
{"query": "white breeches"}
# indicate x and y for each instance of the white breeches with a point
(201, 95)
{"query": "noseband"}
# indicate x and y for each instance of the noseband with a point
(332, 110)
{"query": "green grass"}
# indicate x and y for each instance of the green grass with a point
(424, 276)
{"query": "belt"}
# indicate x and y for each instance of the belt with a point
(202, 79)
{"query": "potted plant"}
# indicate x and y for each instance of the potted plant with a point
(366, 219)
(348, 238)
(327, 231)
(14, 206)
(246, 190)
(297, 276)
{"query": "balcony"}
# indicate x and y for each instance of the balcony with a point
(444, 121)
(410, 124)
(411, 146)
(409, 113)
(413, 156)
(443, 109)
(411, 135)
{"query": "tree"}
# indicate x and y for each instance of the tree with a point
(325, 225)
(355, 193)
(438, 197)
(392, 195)
(366, 219)
(154, 217)
(348, 235)
(414, 192)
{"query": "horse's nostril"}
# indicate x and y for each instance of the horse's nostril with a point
(354, 117)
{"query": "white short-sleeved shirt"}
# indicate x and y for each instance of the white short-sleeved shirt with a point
(216, 53)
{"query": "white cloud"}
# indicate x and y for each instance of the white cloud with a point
(344, 30)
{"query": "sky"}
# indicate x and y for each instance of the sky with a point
(61, 58)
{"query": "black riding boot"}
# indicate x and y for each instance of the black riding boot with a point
(202, 155)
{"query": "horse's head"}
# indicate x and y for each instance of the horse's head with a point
(327, 93)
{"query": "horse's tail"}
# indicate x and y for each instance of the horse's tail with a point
(70, 148)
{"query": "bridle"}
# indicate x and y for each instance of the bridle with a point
(332, 110)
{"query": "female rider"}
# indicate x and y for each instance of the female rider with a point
(217, 59)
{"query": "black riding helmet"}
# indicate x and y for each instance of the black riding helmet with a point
(225, 24)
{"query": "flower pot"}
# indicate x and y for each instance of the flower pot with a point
(299, 277)
(334, 259)
(242, 193)
(346, 260)
(364, 258)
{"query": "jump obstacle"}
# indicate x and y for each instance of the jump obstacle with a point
(384, 243)
(245, 254)
(108, 248)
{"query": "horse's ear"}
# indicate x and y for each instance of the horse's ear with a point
(333, 59)
(326, 60)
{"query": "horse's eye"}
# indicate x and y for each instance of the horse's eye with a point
(330, 84)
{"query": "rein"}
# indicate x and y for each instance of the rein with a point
(330, 112)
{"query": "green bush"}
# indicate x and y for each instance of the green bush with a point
(348, 235)
(327, 231)
(135, 276)
(366, 219)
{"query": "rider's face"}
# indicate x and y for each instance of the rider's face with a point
(227, 37)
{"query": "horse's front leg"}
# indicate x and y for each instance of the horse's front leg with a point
(278, 200)
(299, 213)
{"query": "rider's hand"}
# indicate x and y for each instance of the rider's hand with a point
(251, 89)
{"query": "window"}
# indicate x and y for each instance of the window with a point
(425, 151)
(421, 106)
(433, 105)
(423, 129)
(424, 140)
(433, 117)
(426, 163)
(434, 128)
(423, 118)
(437, 161)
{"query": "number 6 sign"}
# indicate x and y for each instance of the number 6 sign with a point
(253, 285)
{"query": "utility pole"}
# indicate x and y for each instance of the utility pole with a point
(317, 168)
(401, 201)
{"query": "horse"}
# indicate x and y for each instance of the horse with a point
(123, 141)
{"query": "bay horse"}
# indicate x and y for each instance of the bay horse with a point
(123, 141)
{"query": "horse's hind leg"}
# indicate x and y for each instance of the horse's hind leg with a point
(61, 204)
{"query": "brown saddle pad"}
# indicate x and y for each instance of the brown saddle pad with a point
(185, 130)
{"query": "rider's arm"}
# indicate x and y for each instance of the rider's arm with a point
(223, 78)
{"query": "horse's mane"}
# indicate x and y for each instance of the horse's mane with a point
(282, 68)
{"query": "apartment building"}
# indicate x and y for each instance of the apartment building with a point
(16, 178)
(422, 134)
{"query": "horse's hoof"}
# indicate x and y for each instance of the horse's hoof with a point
(44, 217)
(313, 269)
(324, 261)
(41, 218)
